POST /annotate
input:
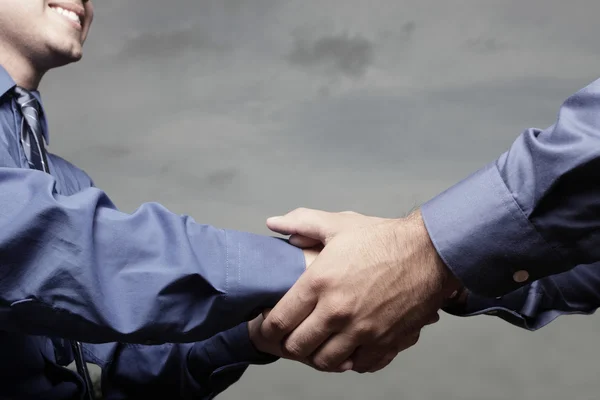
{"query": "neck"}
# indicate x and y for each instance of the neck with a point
(20, 69)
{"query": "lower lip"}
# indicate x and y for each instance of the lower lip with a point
(73, 23)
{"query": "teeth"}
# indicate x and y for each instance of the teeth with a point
(66, 13)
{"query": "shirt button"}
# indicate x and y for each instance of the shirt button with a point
(521, 276)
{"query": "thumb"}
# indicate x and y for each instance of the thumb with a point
(313, 224)
(304, 242)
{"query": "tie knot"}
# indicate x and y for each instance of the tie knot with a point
(26, 99)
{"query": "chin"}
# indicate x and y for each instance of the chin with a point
(74, 57)
(63, 57)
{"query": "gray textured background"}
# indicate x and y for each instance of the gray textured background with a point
(232, 111)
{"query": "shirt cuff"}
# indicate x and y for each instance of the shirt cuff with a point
(261, 270)
(524, 308)
(227, 348)
(484, 238)
(217, 363)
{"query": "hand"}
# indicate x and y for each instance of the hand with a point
(264, 345)
(254, 326)
(374, 286)
(258, 340)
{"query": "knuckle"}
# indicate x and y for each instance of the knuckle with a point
(276, 323)
(293, 350)
(387, 341)
(298, 212)
(364, 331)
(318, 282)
(306, 297)
(379, 333)
(323, 364)
(338, 313)
(349, 212)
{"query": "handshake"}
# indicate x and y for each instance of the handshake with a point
(370, 286)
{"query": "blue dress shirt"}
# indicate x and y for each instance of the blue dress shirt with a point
(523, 233)
(72, 266)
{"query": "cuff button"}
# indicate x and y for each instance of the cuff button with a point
(521, 276)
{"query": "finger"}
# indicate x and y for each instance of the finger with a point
(407, 342)
(335, 353)
(308, 336)
(367, 357)
(385, 361)
(292, 309)
(346, 366)
(433, 319)
(306, 222)
(303, 242)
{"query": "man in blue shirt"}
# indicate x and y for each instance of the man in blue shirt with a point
(519, 238)
(81, 281)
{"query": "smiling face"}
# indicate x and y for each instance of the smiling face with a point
(45, 32)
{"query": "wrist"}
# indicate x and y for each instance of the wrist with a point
(447, 281)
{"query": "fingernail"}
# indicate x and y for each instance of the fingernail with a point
(347, 365)
(273, 218)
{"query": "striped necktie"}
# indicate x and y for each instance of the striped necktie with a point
(32, 140)
(32, 137)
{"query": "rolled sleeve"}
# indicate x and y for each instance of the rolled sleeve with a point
(483, 236)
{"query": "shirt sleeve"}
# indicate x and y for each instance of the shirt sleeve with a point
(536, 305)
(176, 371)
(76, 267)
(533, 212)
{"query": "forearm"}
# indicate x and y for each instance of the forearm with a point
(176, 371)
(76, 267)
(532, 213)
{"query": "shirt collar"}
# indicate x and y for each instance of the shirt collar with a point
(7, 83)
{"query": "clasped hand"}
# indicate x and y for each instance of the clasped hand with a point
(376, 283)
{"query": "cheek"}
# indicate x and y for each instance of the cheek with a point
(18, 20)
(17, 11)
(89, 12)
